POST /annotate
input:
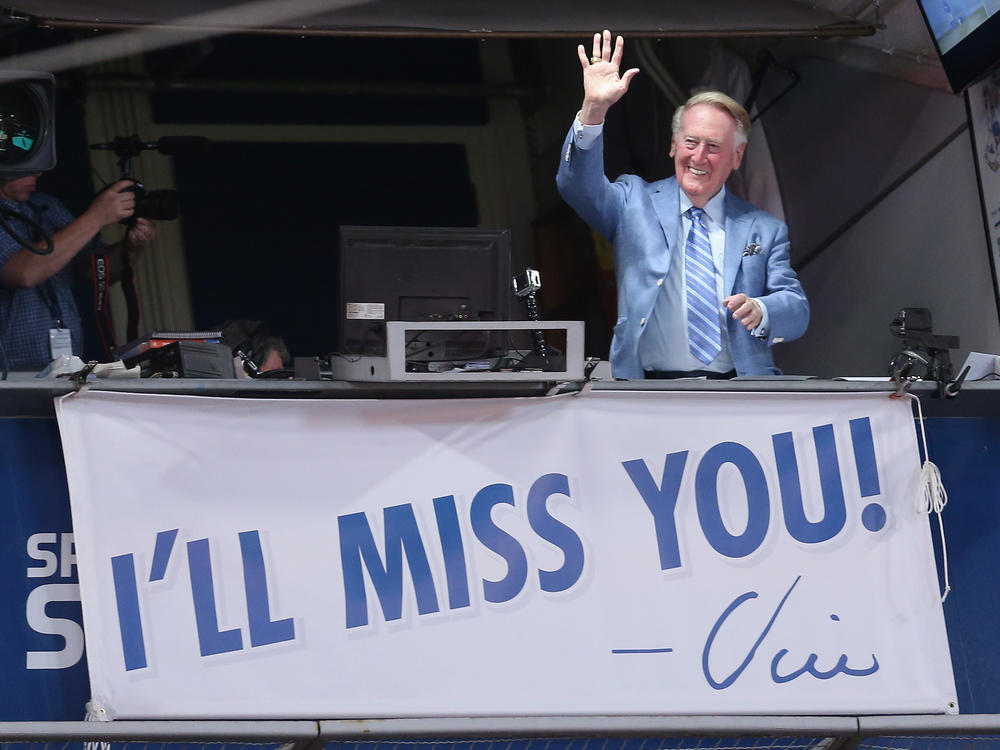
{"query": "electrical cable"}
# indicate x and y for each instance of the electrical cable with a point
(43, 236)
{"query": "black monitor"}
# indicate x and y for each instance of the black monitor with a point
(967, 36)
(422, 274)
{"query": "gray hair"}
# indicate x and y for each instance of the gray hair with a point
(720, 101)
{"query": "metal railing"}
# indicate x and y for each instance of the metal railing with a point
(938, 732)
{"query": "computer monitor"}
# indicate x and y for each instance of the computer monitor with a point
(422, 274)
(965, 33)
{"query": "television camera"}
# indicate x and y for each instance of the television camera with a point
(27, 144)
(149, 204)
(925, 354)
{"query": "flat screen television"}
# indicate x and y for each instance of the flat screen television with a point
(967, 36)
(422, 274)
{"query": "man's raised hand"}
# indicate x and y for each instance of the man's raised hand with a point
(602, 84)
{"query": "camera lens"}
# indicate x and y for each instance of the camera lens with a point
(158, 204)
(20, 124)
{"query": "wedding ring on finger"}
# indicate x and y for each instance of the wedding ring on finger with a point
(595, 59)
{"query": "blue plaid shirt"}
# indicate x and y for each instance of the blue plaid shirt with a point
(27, 314)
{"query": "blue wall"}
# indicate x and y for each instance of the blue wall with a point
(968, 453)
(33, 486)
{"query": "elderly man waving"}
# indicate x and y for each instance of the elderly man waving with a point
(704, 281)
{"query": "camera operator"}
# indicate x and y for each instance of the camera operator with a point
(39, 319)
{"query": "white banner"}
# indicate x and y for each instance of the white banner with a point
(604, 553)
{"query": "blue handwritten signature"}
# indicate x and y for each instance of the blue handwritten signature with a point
(841, 667)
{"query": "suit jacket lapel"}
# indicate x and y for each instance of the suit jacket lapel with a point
(666, 204)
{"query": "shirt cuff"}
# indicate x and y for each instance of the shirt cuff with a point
(761, 331)
(584, 136)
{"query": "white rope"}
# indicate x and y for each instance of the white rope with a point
(931, 494)
(97, 712)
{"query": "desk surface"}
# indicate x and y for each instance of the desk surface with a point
(33, 397)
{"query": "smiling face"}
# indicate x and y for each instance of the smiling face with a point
(705, 151)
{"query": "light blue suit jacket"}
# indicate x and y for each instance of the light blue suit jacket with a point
(641, 220)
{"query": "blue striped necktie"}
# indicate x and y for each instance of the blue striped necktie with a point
(704, 336)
